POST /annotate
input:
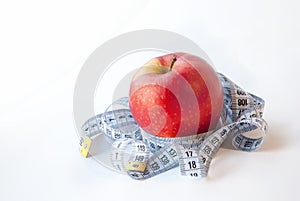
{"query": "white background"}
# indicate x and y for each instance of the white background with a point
(43, 45)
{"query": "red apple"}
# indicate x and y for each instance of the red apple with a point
(176, 95)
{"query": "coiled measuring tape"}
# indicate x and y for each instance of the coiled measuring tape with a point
(143, 156)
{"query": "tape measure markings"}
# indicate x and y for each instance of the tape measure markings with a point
(129, 154)
(142, 155)
(161, 161)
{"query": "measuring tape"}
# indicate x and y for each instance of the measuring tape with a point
(142, 155)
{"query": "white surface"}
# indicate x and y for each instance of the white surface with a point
(43, 46)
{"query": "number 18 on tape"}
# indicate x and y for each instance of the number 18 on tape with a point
(189, 162)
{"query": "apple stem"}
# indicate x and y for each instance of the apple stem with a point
(173, 61)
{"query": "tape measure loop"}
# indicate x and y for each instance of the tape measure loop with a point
(143, 156)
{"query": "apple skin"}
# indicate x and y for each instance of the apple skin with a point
(182, 100)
